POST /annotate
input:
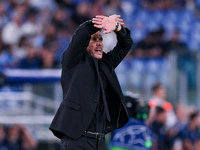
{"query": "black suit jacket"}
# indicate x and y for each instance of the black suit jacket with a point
(81, 88)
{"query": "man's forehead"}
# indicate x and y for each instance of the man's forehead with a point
(97, 34)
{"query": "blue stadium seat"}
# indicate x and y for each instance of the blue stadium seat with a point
(122, 74)
(138, 34)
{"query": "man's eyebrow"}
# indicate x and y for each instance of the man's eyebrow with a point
(97, 36)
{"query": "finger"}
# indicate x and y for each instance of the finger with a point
(97, 19)
(115, 16)
(100, 16)
(97, 22)
(118, 16)
(98, 26)
(120, 20)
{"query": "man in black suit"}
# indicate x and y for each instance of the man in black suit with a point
(92, 98)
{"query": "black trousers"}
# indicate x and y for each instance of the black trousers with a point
(83, 143)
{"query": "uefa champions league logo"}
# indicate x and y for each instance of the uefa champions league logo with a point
(134, 137)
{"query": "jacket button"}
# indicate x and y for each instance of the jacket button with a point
(96, 100)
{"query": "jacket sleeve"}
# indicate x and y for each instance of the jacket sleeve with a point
(124, 44)
(78, 43)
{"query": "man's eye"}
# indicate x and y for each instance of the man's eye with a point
(94, 39)
(101, 39)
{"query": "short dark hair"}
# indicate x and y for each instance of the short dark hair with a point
(159, 110)
(193, 115)
(156, 86)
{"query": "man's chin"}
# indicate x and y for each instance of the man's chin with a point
(98, 56)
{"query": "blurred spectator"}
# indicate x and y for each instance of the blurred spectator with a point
(64, 27)
(45, 17)
(158, 99)
(11, 6)
(190, 4)
(12, 31)
(190, 133)
(157, 4)
(197, 144)
(3, 15)
(159, 130)
(179, 3)
(13, 140)
(22, 8)
(167, 4)
(2, 138)
(98, 7)
(82, 13)
(31, 61)
(48, 58)
(20, 51)
(60, 17)
(42, 4)
(63, 36)
(67, 4)
(152, 46)
(174, 44)
(112, 7)
(50, 37)
(174, 131)
(182, 116)
(18, 138)
(6, 58)
(31, 27)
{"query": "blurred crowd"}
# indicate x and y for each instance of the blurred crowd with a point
(35, 33)
(172, 128)
(168, 4)
(16, 137)
(157, 125)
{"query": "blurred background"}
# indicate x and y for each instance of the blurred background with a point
(162, 68)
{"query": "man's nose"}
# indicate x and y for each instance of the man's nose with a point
(99, 42)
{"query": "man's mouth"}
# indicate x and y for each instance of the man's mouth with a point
(98, 50)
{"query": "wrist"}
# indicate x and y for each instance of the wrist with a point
(117, 26)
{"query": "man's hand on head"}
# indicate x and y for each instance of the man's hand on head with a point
(109, 24)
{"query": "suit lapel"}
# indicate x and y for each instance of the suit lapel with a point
(96, 66)
(109, 75)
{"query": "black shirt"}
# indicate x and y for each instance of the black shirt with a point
(98, 122)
